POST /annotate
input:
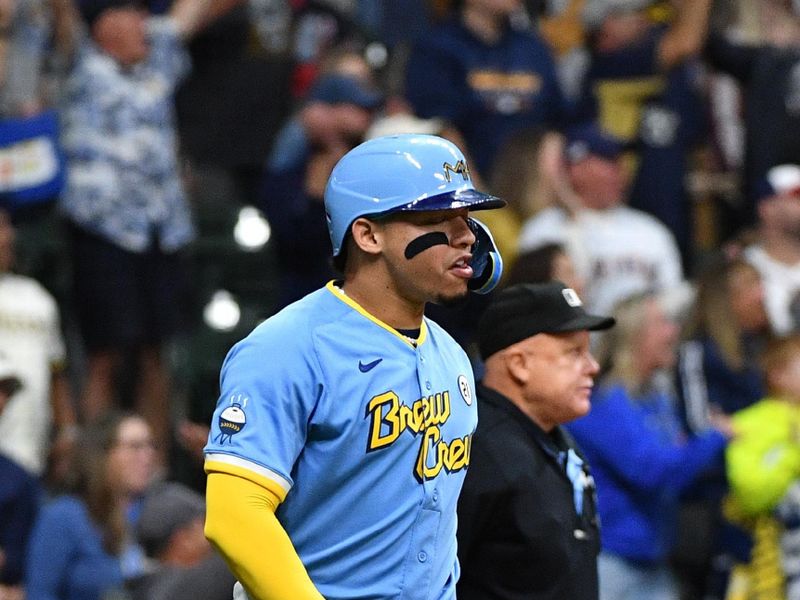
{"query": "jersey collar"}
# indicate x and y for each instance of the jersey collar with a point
(336, 291)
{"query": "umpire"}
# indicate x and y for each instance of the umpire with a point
(527, 522)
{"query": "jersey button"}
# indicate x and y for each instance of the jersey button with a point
(422, 556)
(428, 385)
(435, 497)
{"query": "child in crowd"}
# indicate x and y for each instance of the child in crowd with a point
(763, 464)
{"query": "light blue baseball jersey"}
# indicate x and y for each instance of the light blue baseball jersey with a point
(368, 435)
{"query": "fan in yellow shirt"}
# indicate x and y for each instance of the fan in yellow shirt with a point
(763, 464)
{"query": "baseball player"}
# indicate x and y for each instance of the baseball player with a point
(343, 430)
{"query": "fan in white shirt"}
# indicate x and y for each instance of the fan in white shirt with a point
(617, 250)
(776, 253)
(31, 341)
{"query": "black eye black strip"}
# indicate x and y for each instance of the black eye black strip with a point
(425, 241)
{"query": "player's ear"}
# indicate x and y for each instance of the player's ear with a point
(367, 235)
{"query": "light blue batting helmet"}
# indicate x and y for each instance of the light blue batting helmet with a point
(409, 172)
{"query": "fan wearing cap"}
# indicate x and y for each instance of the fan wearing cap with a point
(617, 250)
(342, 433)
(776, 251)
(641, 85)
(527, 522)
(183, 565)
(334, 117)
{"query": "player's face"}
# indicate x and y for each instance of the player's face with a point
(428, 255)
(561, 373)
(131, 460)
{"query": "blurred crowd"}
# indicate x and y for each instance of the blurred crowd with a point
(162, 168)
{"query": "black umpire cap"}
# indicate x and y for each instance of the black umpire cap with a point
(524, 310)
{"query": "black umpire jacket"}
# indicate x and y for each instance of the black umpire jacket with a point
(519, 535)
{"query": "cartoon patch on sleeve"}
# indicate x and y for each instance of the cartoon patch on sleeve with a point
(232, 420)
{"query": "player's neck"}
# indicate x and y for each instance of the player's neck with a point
(383, 302)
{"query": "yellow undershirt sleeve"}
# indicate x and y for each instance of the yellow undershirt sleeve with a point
(241, 524)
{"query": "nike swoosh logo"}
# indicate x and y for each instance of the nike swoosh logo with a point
(368, 366)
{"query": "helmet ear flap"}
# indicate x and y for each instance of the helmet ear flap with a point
(487, 264)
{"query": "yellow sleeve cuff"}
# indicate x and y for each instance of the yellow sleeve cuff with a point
(218, 466)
